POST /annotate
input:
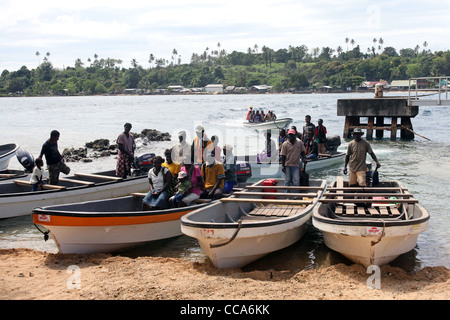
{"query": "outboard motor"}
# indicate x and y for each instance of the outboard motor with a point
(333, 143)
(243, 171)
(143, 163)
(25, 159)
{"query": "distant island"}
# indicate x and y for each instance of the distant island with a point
(295, 70)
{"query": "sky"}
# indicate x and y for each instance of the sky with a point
(71, 30)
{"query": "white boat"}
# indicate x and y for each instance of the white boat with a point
(17, 199)
(371, 225)
(261, 170)
(7, 151)
(267, 125)
(248, 225)
(108, 225)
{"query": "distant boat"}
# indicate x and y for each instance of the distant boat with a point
(370, 225)
(266, 170)
(108, 225)
(255, 222)
(281, 123)
(7, 151)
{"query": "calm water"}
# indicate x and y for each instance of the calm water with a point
(422, 165)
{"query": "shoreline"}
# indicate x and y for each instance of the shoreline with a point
(27, 274)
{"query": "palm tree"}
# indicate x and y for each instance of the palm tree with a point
(256, 48)
(346, 41)
(151, 59)
(381, 42)
(48, 55)
(38, 54)
(352, 42)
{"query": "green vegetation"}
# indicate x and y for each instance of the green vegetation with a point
(294, 69)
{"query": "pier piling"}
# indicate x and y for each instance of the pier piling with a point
(380, 114)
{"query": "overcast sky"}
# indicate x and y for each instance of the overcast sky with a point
(134, 29)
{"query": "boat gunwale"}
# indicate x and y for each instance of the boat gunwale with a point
(271, 221)
(70, 188)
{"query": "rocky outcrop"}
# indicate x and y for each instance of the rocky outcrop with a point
(102, 147)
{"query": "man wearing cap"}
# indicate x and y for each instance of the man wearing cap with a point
(291, 151)
(356, 159)
(125, 141)
(200, 145)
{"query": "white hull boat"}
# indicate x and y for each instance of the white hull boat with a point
(261, 170)
(253, 223)
(108, 225)
(7, 151)
(17, 199)
(372, 226)
(267, 125)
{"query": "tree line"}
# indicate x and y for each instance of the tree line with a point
(295, 68)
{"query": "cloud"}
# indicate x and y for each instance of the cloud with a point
(132, 30)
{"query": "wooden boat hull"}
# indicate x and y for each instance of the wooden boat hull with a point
(120, 224)
(371, 239)
(273, 170)
(7, 151)
(232, 235)
(17, 200)
(277, 124)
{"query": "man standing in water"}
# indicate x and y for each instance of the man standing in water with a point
(53, 158)
(125, 141)
(356, 158)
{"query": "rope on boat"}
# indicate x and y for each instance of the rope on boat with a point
(231, 239)
(44, 233)
(372, 243)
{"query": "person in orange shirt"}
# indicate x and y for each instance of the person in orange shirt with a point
(214, 176)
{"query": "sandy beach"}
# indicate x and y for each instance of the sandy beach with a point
(27, 274)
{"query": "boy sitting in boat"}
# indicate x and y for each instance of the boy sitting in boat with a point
(36, 177)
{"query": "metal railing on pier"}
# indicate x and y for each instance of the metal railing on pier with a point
(429, 91)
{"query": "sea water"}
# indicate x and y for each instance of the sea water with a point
(422, 165)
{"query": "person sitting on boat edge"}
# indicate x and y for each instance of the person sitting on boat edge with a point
(356, 159)
(217, 150)
(214, 177)
(55, 162)
(174, 170)
(263, 116)
(229, 165)
(159, 178)
(182, 189)
(257, 117)
(312, 149)
(36, 177)
(197, 184)
(125, 158)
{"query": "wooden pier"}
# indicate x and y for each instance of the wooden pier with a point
(379, 114)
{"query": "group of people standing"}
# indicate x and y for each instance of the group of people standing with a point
(257, 116)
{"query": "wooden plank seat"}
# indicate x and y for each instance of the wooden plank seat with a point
(358, 211)
(267, 201)
(275, 194)
(275, 211)
(45, 186)
(74, 181)
(98, 176)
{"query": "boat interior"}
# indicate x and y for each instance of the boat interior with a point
(261, 203)
(77, 180)
(387, 201)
